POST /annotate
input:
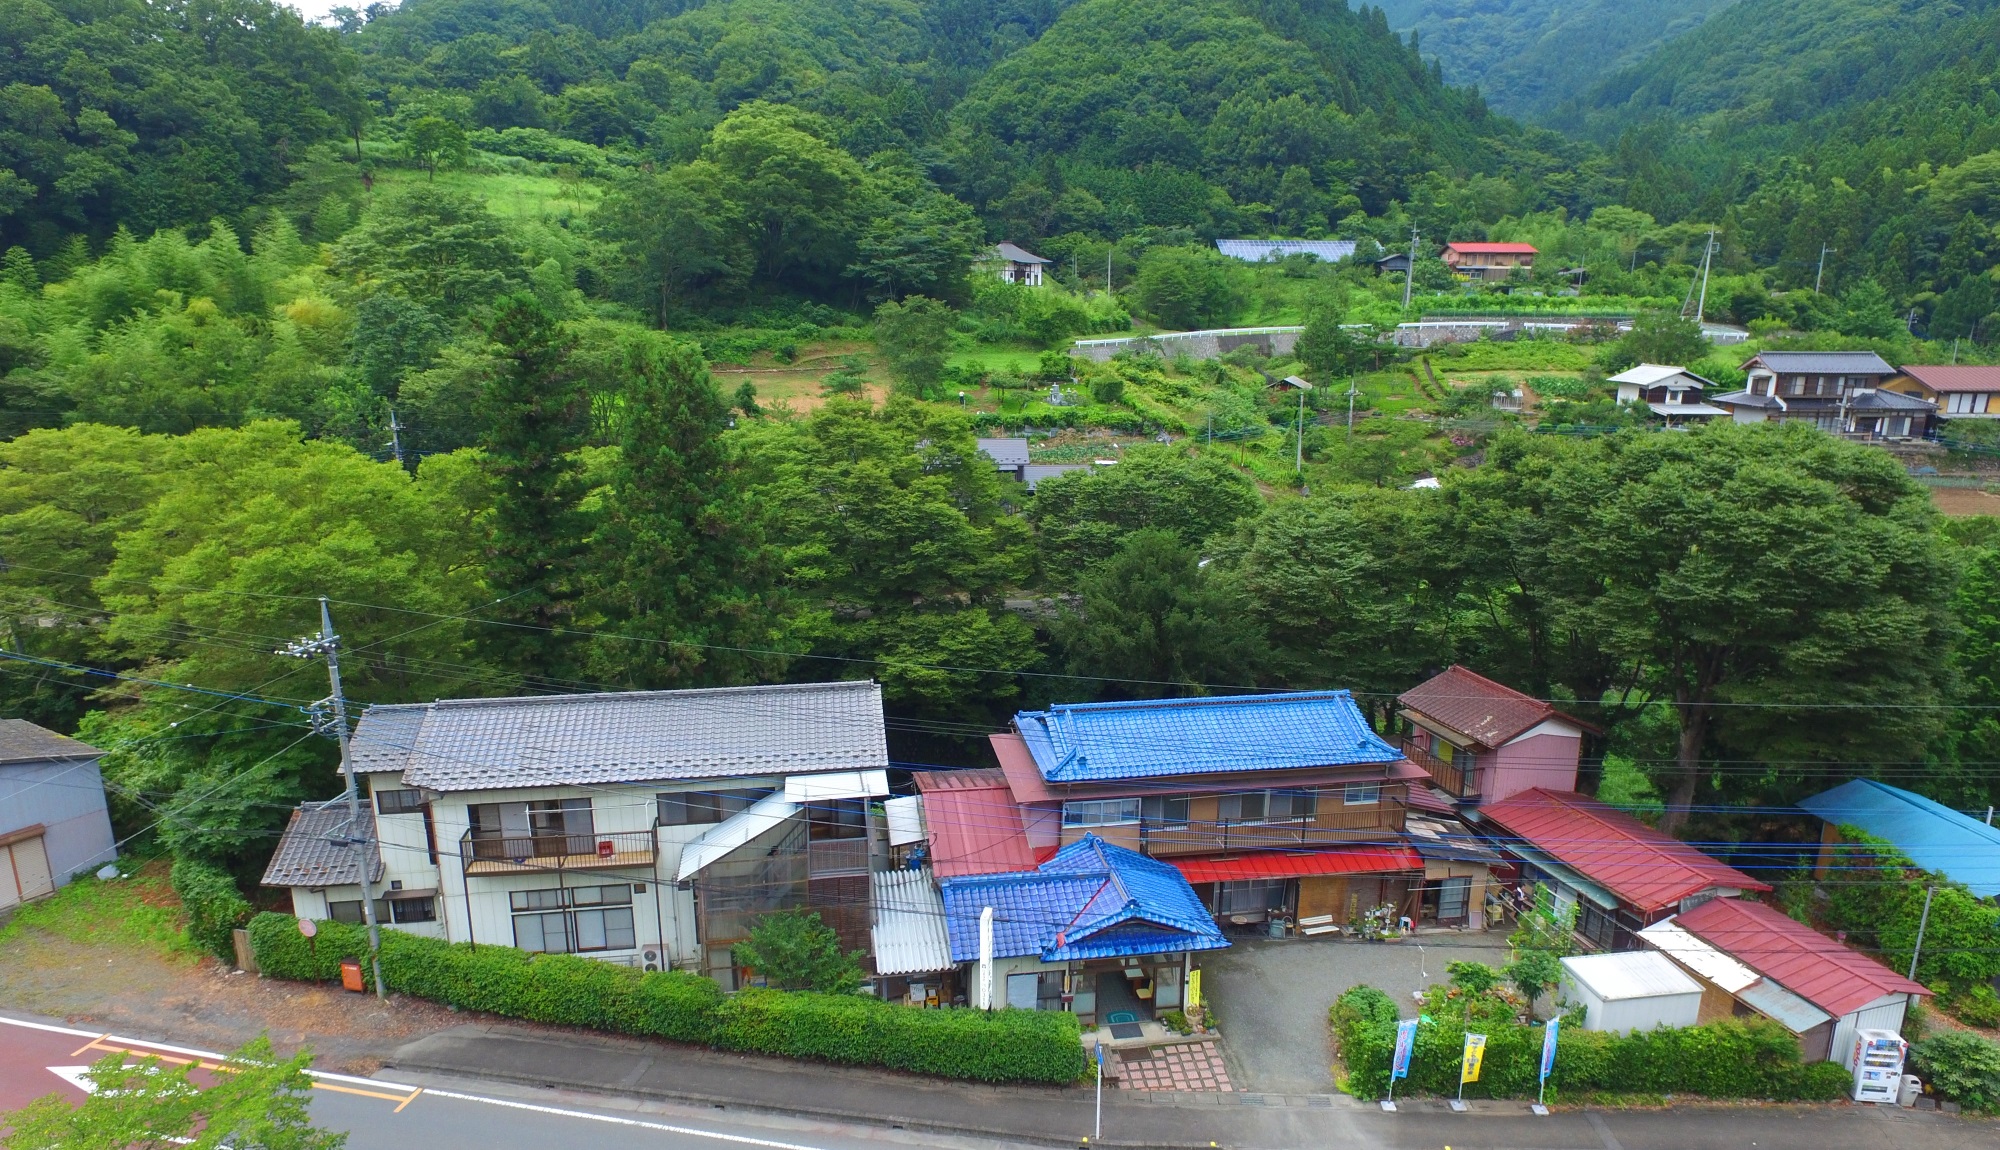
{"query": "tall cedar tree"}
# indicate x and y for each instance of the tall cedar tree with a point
(536, 413)
(688, 577)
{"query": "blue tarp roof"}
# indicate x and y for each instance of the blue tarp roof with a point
(1090, 742)
(1934, 836)
(1092, 900)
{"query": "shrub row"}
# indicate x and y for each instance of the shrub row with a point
(1728, 1059)
(1006, 1046)
(215, 908)
(1961, 1066)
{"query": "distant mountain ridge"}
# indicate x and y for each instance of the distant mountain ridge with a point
(1530, 56)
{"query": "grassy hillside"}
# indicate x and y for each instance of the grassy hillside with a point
(1529, 56)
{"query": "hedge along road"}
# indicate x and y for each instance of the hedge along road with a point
(38, 1058)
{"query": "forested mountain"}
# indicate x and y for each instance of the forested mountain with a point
(1528, 56)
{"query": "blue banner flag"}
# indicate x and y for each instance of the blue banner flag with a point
(1549, 1048)
(1406, 1040)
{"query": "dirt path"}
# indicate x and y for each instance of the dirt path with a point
(112, 980)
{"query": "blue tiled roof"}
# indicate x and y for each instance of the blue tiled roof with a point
(1090, 742)
(1092, 900)
(1932, 835)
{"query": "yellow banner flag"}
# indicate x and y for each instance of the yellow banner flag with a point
(1194, 988)
(1475, 1053)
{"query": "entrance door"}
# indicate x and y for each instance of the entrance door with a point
(1021, 990)
(1454, 898)
(24, 872)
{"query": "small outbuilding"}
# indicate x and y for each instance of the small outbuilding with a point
(53, 822)
(1630, 990)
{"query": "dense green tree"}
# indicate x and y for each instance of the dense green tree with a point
(682, 581)
(1185, 288)
(924, 246)
(1080, 517)
(805, 196)
(1155, 622)
(794, 950)
(535, 414)
(913, 336)
(441, 248)
(1329, 351)
(681, 235)
(433, 142)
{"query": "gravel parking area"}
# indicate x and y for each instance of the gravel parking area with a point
(1272, 996)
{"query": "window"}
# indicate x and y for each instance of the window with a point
(402, 801)
(1361, 794)
(838, 819)
(576, 920)
(1964, 403)
(687, 808)
(1254, 896)
(413, 909)
(1795, 385)
(1244, 808)
(1294, 804)
(525, 830)
(348, 911)
(1101, 813)
(1165, 810)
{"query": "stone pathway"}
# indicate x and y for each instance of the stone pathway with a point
(1189, 1066)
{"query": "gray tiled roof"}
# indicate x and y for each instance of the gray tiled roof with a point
(1825, 363)
(633, 736)
(1014, 253)
(24, 742)
(1005, 453)
(1743, 399)
(1890, 401)
(314, 850)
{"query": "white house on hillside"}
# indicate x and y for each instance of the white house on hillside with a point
(651, 827)
(1015, 264)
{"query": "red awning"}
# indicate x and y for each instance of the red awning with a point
(1296, 864)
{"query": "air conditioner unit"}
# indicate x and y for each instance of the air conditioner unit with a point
(652, 960)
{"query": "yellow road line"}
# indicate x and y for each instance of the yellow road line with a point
(91, 1043)
(363, 1093)
(410, 1099)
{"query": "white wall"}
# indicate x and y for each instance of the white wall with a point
(1885, 1013)
(1624, 1015)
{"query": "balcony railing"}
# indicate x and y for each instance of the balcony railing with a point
(1160, 839)
(1450, 777)
(525, 854)
(837, 856)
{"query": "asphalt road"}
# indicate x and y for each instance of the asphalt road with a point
(43, 1058)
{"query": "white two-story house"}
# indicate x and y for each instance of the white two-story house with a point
(652, 827)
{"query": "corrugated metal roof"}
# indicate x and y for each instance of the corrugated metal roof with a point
(1005, 453)
(1034, 473)
(1774, 1001)
(1831, 976)
(1822, 362)
(719, 841)
(1648, 374)
(1672, 409)
(1092, 900)
(1017, 764)
(1955, 377)
(1470, 704)
(908, 934)
(1930, 834)
(1360, 858)
(1448, 839)
(1699, 956)
(314, 850)
(1630, 974)
(1492, 249)
(1643, 867)
(1259, 251)
(631, 736)
(1089, 742)
(973, 823)
(24, 742)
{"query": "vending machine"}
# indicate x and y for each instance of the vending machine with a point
(1878, 1065)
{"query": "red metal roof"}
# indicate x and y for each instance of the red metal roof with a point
(1493, 249)
(1357, 859)
(1018, 763)
(1472, 705)
(1955, 377)
(1638, 864)
(973, 823)
(1831, 976)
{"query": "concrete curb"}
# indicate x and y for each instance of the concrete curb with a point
(461, 1075)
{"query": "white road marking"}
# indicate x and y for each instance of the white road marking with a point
(740, 1139)
(189, 1052)
(74, 1075)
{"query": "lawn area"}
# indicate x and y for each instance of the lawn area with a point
(509, 195)
(140, 911)
(997, 359)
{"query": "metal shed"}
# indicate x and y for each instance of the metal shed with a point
(1630, 990)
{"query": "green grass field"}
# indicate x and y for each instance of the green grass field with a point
(509, 195)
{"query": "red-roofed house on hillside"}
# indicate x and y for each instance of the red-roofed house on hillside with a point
(1482, 741)
(1750, 958)
(1623, 874)
(1482, 261)
(1961, 391)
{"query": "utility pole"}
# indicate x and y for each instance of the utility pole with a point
(1299, 456)
(1917, 950)
(327, 644)
(1707, 255)
(1350, 420)
(1824, 251)
(1410, 273)
(395, 437)
(1107, 268)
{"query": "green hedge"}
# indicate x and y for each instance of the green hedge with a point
(1961, 1066)
(1005, 1046)
(215, 908)
(1729, 1059)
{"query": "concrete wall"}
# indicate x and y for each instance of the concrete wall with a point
(67, 798)
(1545, 759)
(1211, 344)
